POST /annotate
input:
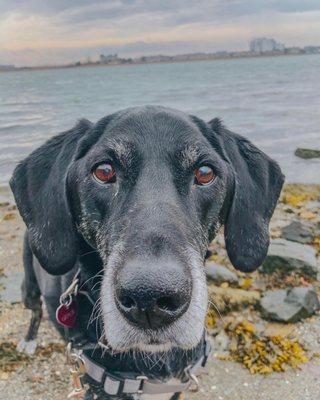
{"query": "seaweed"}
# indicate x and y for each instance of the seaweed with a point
(11, 359)
(263, 354)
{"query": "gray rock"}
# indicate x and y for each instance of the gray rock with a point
(221, 342)
(289, 305)
(218, 273)
(289, 256)
(299, 232)
(307, 153)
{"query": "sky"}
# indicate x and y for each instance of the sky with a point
(43, 32)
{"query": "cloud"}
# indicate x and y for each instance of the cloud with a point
(43, 31)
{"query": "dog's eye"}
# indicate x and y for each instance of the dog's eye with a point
(204, 175)
(104, 173)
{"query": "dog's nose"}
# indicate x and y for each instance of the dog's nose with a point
(155, 296)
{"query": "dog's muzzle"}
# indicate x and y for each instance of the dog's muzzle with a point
(104, 377)
(152, 295)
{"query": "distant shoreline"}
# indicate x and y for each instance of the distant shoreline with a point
(166, 60)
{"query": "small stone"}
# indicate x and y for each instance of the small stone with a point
(272, 329)
(307, 153)
(289, 305)
(219, 274)
(35, 378)
(285, 255)
(312, 205)
(9, 217)
(307, 215)
(221, 342)
(231, 298)
(4, 376)
(299, 232)
(288, 209)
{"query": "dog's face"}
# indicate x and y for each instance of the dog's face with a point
(148, 188)
(148, 194)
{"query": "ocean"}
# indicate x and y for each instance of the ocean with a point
(273, 101)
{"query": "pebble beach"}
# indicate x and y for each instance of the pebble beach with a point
(245, 328)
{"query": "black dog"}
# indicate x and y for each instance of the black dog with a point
(133, 202)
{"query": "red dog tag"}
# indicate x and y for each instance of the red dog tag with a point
(66, 315)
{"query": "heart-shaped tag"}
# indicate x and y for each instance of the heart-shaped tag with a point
(66, 315)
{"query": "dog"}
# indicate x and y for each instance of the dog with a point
(132, 202)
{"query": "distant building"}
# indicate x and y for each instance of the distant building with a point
(312, 49)
(265, 45)
(110, 58)
(294, 50)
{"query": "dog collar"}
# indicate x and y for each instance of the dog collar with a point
(87, 372)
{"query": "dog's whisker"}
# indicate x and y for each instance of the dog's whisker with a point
(89, 252)
(98, 274)
(93, 289)
(211, 303)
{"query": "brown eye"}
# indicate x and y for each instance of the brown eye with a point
(105, 173)
(204, 175)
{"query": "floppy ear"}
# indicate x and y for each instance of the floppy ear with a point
(39, 187)
(257, 185)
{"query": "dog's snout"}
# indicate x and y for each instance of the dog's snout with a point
(153, 296)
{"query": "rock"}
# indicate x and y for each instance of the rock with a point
(299, 232)
(312, 205)
(289, 305)
(225, 299)
(289, 256)
(218, 273)
(288, 209)
(307, 153)
(273, 329)
(221, 342)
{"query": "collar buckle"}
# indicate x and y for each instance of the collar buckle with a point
(143, 379)
(77, 370)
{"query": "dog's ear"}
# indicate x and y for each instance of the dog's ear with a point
(39, 187)
(257, 183)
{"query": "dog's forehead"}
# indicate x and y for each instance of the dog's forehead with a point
(157, 125)
(154, 133)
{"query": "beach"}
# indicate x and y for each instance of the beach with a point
(46, 376)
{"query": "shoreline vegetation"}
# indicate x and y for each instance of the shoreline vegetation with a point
(261, 338)
(113, 59)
